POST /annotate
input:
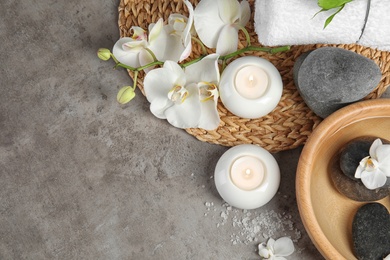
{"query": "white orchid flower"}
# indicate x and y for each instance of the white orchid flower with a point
(217, 23)
(179, 35)
(134, 51)
(186, 98)
(276, 250)
(373, 170)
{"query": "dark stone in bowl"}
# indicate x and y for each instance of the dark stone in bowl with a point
(371, 232)
(354, 190)
(352, 153)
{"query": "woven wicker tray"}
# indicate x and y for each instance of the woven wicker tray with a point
(290, 123)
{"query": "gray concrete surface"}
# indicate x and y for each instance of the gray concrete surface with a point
(84, 178)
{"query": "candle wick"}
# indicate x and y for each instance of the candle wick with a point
(251, 78)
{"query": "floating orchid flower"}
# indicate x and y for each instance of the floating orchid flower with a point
(373, 170)
(275, 250)
(186, 98)
(179, 35)
(139, 49)
(217, 23)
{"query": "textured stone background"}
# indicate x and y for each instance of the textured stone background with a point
(82, 177)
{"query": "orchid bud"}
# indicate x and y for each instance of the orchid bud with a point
(104, 54)
(125, 94)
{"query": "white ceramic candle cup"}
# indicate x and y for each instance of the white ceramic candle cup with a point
(235, 91)
(243, 198)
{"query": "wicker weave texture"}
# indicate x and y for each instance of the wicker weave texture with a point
(290, 123)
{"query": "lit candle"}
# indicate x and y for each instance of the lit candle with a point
(250, 87)
(251, 82)
(247, 172)
(247, 176)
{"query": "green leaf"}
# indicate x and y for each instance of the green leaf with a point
(330, 18)
(322, 10)
(329, 4)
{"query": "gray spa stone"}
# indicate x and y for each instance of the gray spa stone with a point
(330, 78)
(371, 232)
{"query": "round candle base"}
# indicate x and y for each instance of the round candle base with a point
(248, 101)
(263, 189)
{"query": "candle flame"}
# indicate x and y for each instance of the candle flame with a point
(248, 171)
(251, 79)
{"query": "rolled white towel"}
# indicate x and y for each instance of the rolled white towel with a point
(377, 31)
(291, 22)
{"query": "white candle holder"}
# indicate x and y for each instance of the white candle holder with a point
(247, 196)
(236, 88)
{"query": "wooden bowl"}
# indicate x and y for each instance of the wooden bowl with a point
(327, 214)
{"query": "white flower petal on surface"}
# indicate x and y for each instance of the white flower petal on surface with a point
(283, 246)
(373, 180)
(245, 13)
(263, 251)
(276, 249)
(207, 22)
(204, 70)
(129, 58)
(186, 114)
(229, 11)
(228, 40)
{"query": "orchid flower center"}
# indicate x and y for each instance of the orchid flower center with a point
(371, 164)
(179, 25)
(207, 91)
(178, 94)
(138, 33)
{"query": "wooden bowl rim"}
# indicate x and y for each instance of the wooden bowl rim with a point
(343, 117)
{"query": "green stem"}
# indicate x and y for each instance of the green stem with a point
(152, 54)
(135, 79)
(191, 62)
(254, 48)
(113, 57)
(154, 63)
(222, 58)
(201, 45)
(223, 65)
(280, 49)
(247, 37)
(124, 66)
